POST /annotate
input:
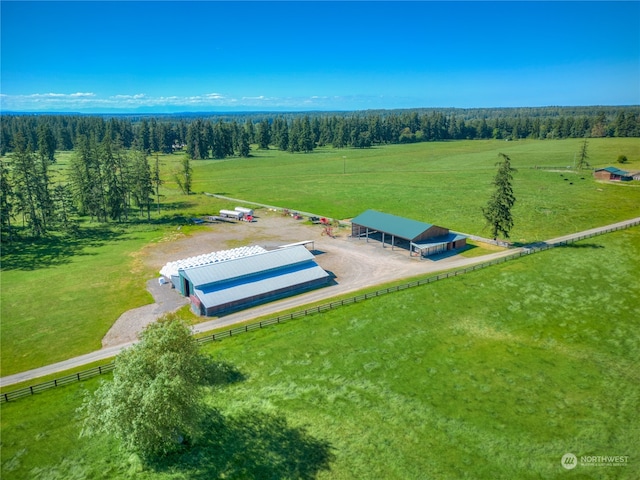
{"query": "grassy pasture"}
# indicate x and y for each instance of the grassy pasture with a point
(59, 296)
(445, 183)
(493, 374)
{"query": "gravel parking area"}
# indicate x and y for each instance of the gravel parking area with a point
(355, 264)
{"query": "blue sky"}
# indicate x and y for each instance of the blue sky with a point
(239, 56)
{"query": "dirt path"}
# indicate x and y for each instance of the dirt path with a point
(356, 264)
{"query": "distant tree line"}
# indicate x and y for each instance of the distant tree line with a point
(110, 179)
(224, 135)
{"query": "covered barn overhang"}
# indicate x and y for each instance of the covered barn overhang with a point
(410, 234)
(437, 245)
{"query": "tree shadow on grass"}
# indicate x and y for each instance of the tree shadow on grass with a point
(582, 245)
(221, 374)
(33, 254)
(251, 445)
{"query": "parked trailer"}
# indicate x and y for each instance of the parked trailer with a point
(245, 211)
(231, 214)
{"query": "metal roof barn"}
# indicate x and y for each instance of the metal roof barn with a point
(170, 270)
(612, 173)
(422, 237)
(247, 281)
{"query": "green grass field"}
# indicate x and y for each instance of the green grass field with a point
(59, 296)
(494, 374)
(445, 183)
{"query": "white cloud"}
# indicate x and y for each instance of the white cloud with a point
(261, 97)
(138, 96)
(88, 101)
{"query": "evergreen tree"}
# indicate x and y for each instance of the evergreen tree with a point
(6, 200)
(30, 181)
(181, 132)
(144, 137)
(295, 132)
(326, 132)
(306, 140)
(166, 138)
(141, 183)
(42, 180)
(193, 141)
(154, 136)
(209, 140)
(484, 131)
(222, 140)
(157, 181)
(65, 211)
(497, 213)
(264, 135)
(243, 148)
(249, 128)
(86, 179)
(115, 188)
(199, 139)
(582, 156)
(66, 138)
(280, 133)
(341, 134)
(46, 143)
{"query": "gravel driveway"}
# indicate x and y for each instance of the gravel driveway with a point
(355, 264)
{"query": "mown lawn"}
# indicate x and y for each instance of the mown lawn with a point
(493, 374)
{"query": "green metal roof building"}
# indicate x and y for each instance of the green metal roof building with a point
(418, 237)
(612, 173)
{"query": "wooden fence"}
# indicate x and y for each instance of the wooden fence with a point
(76, 377)
(58, 382)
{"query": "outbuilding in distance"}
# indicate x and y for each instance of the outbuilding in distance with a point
(613, 173)
(421, 238)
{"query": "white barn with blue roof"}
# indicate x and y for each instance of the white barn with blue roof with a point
(243, 282)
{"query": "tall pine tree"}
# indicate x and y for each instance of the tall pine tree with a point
(497, 213)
